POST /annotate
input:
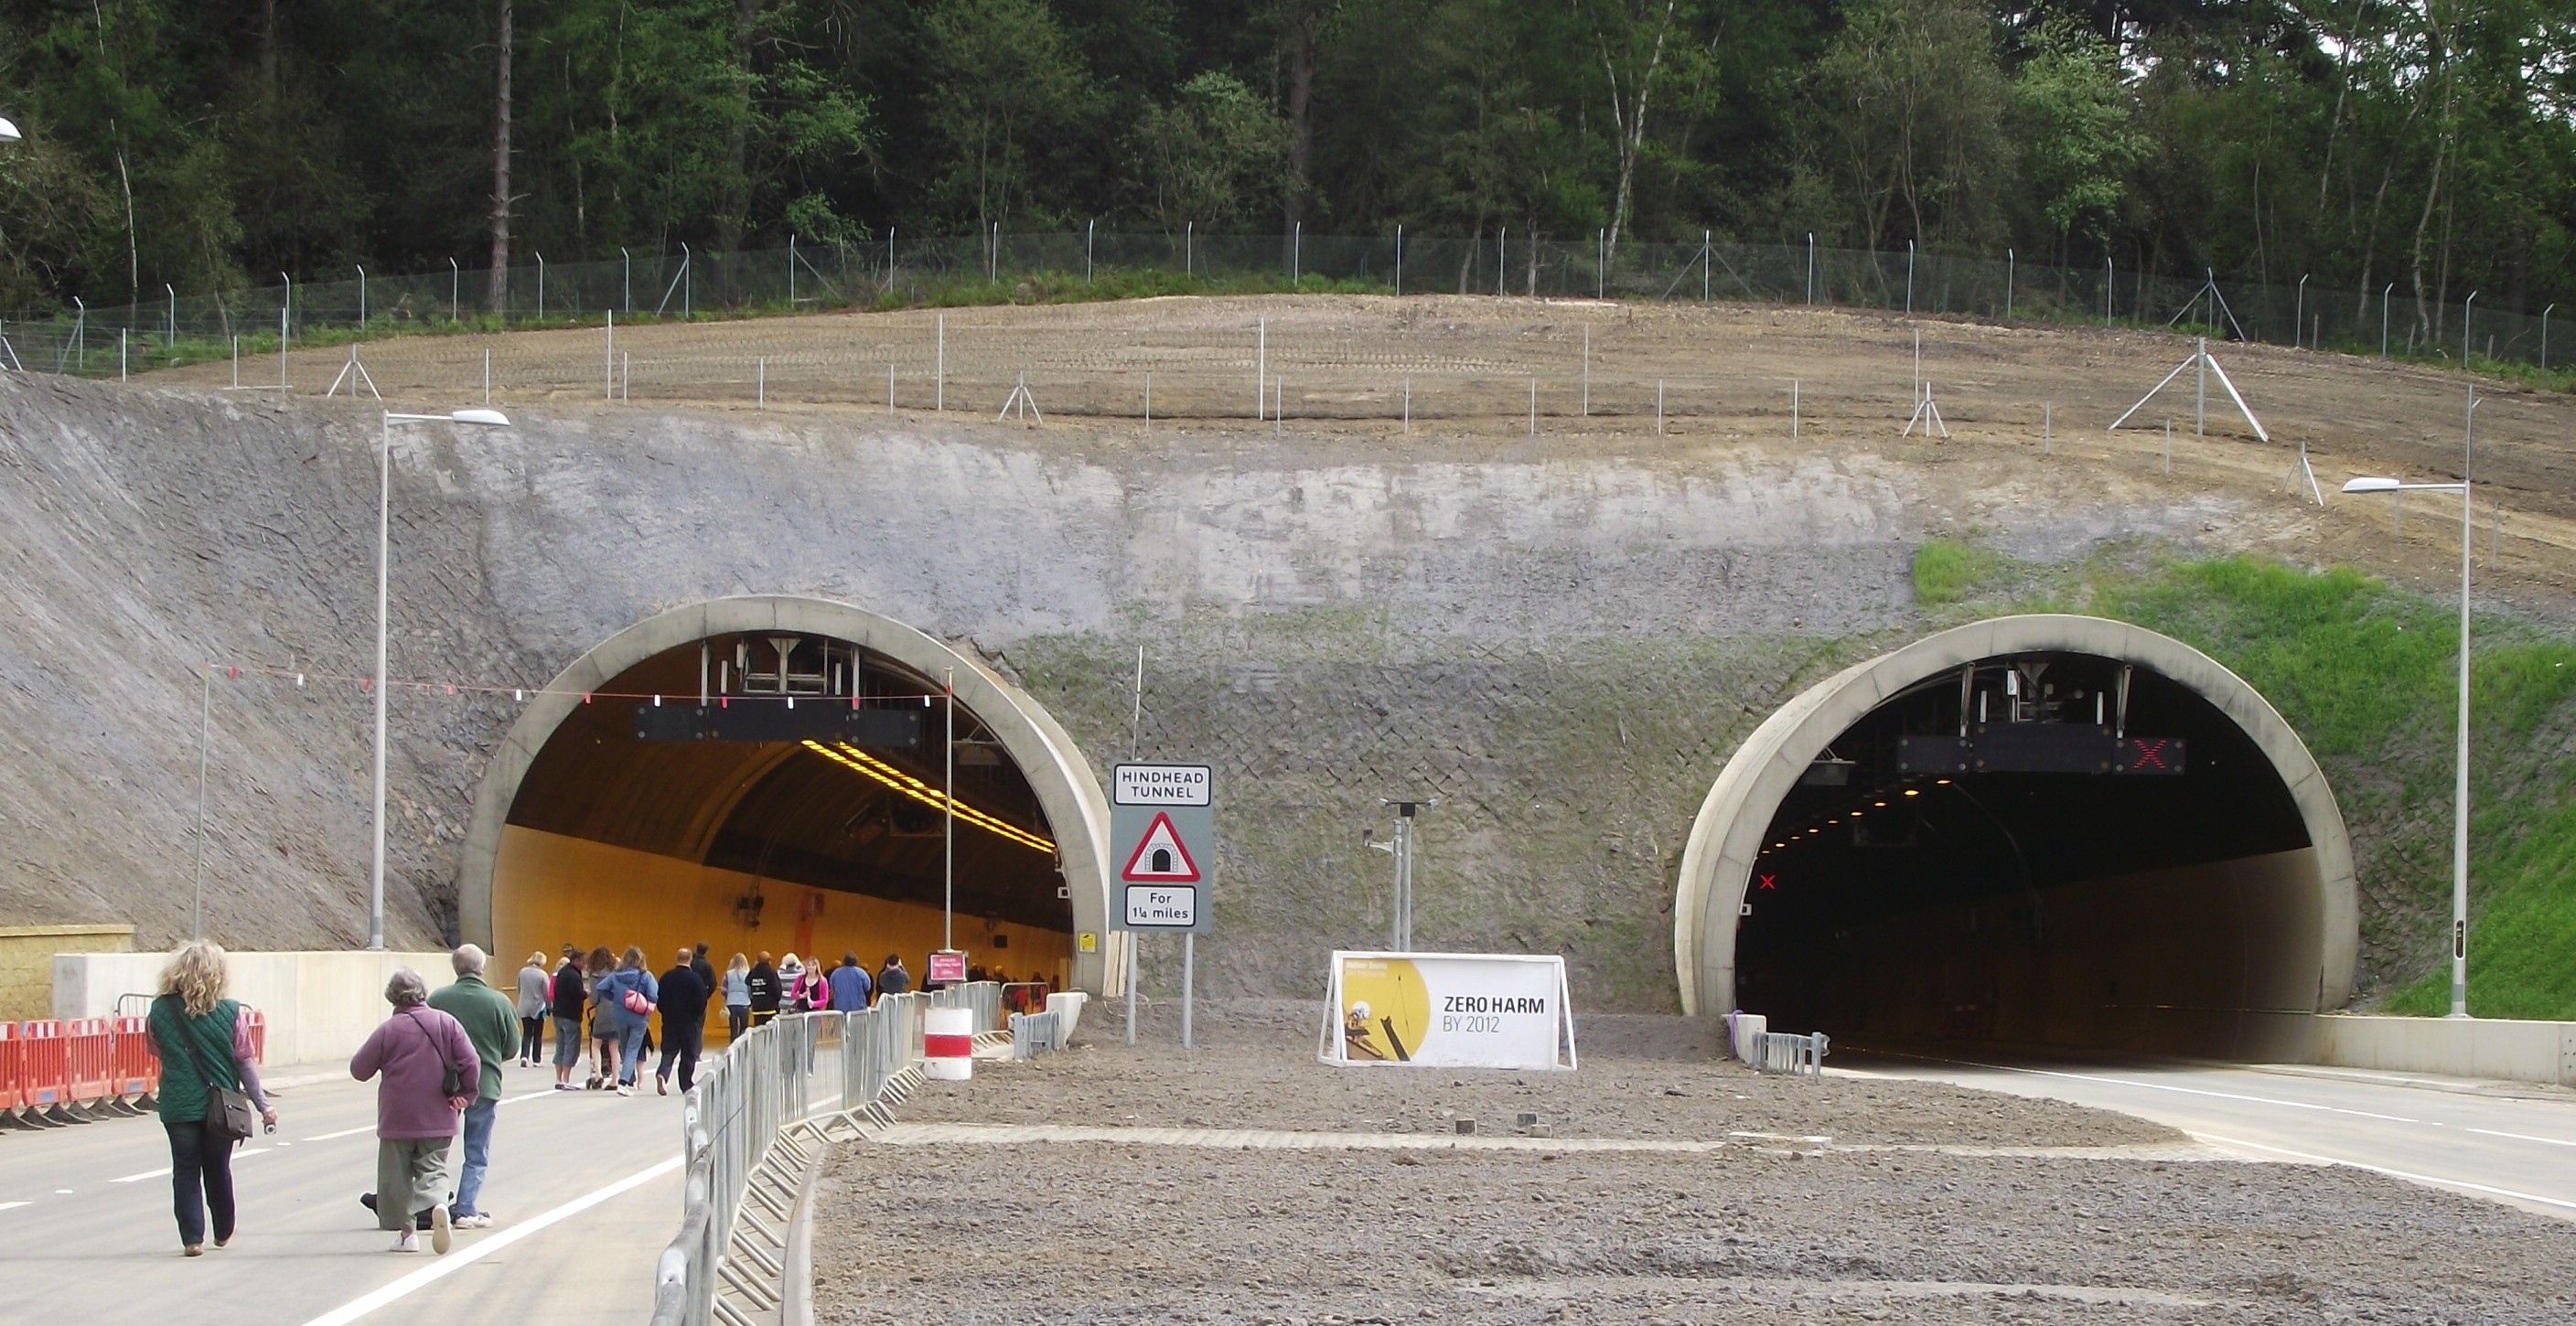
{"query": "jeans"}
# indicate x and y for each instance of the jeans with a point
(567, 1042)
(680, 1041)
(737, 1017)
(478, 1155)
(630, 1048)
(201, 1176)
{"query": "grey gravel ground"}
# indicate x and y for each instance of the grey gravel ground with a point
(1909, 1214)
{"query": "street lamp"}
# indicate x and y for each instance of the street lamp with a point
(2460, 827)
(8, 132)
(384, 542)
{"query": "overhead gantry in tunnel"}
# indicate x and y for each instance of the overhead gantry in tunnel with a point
(2038, 830)
(766, 773)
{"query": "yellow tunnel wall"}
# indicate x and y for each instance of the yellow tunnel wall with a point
(549, 890)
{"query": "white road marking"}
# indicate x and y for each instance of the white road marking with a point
(147, 1174)
(2525, 1137)
(533, 1095)
(62, 1192)
(345, 1132)
(12, 1206)
(481, 1248)
(2392, 1173)
(2165, 1086)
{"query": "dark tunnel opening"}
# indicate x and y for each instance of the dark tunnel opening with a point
(800, 809)
(2040, 849)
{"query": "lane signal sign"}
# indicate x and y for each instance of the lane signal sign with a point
(1160, 857)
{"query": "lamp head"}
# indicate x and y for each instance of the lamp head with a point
(481, 417)
(8, 132)
(2369, 484)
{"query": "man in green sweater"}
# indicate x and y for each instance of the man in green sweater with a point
(492, 1023)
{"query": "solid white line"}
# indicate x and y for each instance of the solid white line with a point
(12, 1206)
(345, 1132)
(481, 1248)
(2524, 1137)
(2187, 1091)
(147, 1174)
(2392, 1173)
(533, 1095)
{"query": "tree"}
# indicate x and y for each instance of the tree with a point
(1631, 36)
(1910, 102)
(1214, 154)
(2076, 122)
(1005, 85)
(500, 279)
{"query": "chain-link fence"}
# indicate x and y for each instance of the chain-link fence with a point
(105, 341)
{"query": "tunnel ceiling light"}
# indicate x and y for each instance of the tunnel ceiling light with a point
(851, 757)
(1878, 803)
(1912, 792)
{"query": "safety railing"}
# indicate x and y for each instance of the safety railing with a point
(70, 1071)
(984, 998)
(1779, 1052)
(1033, 1034)
(112, 340)
(732, 1117)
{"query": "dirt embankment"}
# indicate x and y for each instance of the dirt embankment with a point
(1930, 1204)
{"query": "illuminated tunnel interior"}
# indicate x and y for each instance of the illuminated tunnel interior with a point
(778, 816)
(2040, 849)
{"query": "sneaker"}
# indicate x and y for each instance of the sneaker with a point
(440, 1240)
(566, 1086)
(192, 1250)
(625, 1090)
(478, 1220)
(407, 1241)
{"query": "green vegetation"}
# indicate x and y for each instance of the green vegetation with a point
(2368, 677)
(1945, 572)
(209, 144)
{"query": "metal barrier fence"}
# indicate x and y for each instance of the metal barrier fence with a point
(1033, 1034)
(733, 1120)
(107, 341)
(1779, 1052)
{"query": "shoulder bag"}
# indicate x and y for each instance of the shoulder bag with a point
(229, 1115)
(451, 1081)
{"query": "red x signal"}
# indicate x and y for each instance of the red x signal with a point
(1770, 881)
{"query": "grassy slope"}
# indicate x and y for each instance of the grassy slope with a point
(2367, 676)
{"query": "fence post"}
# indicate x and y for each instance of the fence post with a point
(1087, 228)
(2009, 261)
(1399, 258)
(2467, 306)
(1909, 278)
(1811, 269)
(455, 292)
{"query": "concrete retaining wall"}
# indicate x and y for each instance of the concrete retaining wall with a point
(2475, 1047)
(319, 1005)
(27, 962)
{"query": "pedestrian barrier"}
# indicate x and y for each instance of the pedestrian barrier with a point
(1778, 1052)
(258, 1024)
(89, 1060)
(1033, 1034)
(12, 1074)
(948, 1044)
(138, 1068)
(750, 1133)
(45, 1081)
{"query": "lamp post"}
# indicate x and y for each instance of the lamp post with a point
(384, 544)
(2460, 812)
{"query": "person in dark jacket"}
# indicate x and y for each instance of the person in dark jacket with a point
(764, 990)
(570, 998)
(203, 1042)
(706, 971)
(893, 978)
(684, 1023)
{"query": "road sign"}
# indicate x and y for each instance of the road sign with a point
(1162, 834)
(947, 967)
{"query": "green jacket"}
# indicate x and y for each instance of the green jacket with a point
(192, 1049)
(491, 1022)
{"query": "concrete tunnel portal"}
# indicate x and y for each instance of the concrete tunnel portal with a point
(800, 808)
(2041, 830)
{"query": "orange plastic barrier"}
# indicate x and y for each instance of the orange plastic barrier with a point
(44, 1064)
(12, 1070)
(89, 1059)
(138, 1069)
(258, 1034)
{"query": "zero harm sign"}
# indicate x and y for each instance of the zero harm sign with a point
(1162, 843)
(1448, 1010)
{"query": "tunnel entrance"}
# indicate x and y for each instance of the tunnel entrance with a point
(768, 774)
(2040, 831)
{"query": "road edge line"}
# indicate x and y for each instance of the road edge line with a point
(2426, 1179)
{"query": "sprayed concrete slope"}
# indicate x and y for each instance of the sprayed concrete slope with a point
(1563, 637)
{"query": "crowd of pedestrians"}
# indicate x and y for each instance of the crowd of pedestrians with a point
(437, 1060)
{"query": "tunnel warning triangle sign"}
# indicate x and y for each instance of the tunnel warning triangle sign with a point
(1160, 858)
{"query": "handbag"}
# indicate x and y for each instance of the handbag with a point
(229, 1115)
(637, 1004)
(451, 1081)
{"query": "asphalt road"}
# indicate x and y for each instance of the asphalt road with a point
(585, 1187)
(2513, 1147)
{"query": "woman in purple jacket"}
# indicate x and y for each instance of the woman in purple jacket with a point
(430, 1073)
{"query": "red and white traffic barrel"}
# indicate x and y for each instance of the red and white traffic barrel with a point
(948, 1042)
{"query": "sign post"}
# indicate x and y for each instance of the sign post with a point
(1162, 828)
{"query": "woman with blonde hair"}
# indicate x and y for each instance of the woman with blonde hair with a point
(737, 993)
(536, 996)
(204, 1043)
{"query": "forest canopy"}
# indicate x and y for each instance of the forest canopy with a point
(204, 144)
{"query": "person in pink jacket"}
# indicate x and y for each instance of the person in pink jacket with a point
(428, 1073)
